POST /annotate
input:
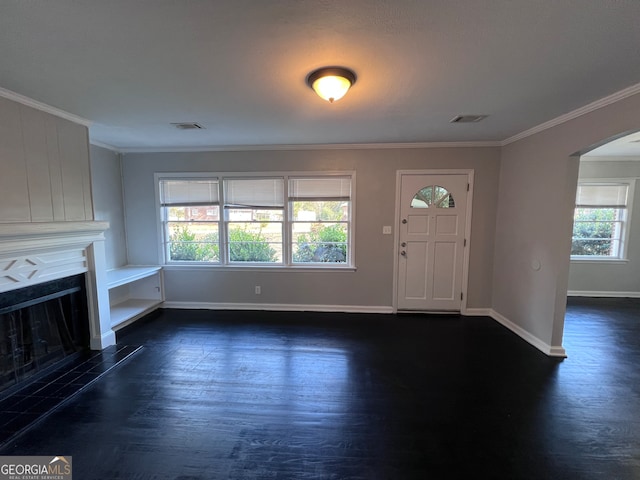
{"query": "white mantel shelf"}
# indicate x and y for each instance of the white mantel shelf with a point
(26, 238)
(20, 230)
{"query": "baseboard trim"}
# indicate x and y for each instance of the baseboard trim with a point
(476, 312)
(282, 307)
(103, 341)
(552, 351)
(602, 294)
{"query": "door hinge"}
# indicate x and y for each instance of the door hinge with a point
(461, 296)
(465, 243)
(467, 187)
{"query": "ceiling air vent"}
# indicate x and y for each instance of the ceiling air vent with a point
(468, 118)
(188, 126)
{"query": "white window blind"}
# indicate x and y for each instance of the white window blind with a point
(320, 189)
(601, 196)
(188, 192)
(254, 193)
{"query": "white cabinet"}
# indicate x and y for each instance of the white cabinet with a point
(133, 292)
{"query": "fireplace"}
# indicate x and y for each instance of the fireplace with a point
(41, 326)
(54, 297)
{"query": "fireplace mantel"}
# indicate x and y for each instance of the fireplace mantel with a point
(32, 253)
(18, 237)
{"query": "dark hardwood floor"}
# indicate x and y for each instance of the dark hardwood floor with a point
(272, 395)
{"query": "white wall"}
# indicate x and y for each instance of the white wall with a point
(106, 182)
(611, 278)
(538, 178)
(371, 285)
(44, 163)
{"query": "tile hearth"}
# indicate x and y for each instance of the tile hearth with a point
(23, 408)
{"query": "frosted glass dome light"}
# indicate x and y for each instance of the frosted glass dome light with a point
(331, 83)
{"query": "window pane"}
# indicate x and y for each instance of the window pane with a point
(254, 192)
(321, 211)
(209, 213)
(254, 215)
(602, 195)
(188, 192)
(320, 188)
(596, 231)
(602, 247)
(193, 242)
(319, 242)
(423, 198)
(255, 242)
(446, 202)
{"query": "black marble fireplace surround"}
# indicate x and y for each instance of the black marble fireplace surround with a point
(41, 326)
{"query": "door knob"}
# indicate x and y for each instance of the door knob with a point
(404, 220)
(403, 244)
(403, 253)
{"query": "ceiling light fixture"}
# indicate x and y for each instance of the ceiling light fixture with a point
(331, 83)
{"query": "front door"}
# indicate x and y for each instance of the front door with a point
(432, 233)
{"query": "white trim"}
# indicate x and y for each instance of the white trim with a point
(282, 307)
(29, 102)
(396, 236)
(476, 312)
(552, 351)
(106, 146)
(621, 158)
(598, 104)
(219, 267)
(586, 260)
(102, 341)
(317, 146)
(602, 294)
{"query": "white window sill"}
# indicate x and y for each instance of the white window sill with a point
(259, 268)
(600, 260)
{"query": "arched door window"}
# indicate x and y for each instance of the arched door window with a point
(433, 196)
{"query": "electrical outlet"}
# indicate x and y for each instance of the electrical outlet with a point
(258, 290)
(386, 230)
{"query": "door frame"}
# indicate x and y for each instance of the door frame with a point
(396, 236)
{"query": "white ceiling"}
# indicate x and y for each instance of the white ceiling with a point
(238, 67)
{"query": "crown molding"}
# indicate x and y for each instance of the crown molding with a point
(610, 158)
(603, 102)
(336, 146)
(29, 102)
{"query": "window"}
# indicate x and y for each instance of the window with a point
(289, 220)
(190, 213)
(254, 218)
(601, 217)
(320, 210)
(433, 196)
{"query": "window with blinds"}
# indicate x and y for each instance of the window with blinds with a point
(234, 219)
(320, 217)
(254, 219)
(600, 220)
(190, 213)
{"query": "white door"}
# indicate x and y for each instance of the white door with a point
(432, 240)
